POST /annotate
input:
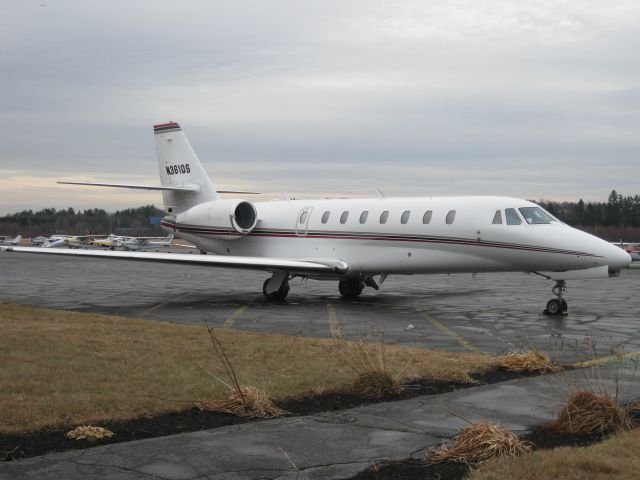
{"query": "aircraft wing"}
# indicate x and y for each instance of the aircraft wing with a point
(308, 266)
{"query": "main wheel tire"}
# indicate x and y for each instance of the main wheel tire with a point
(554, 307)
(279, 295)
(350, 288)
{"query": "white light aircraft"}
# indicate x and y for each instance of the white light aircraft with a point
(353, 241)
(10, 241)
(144, 243)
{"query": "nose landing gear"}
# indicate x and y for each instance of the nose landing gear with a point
(558, 305)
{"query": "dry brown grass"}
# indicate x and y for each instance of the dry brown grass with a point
(89, 432)
(376, 384)
(245, 402)
(588, 413)
(481, 442)
(530, 361)
(616, 458)
(456, 376)
(65, 368)
(368, 359)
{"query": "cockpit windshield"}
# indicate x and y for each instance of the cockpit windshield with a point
(536, 216)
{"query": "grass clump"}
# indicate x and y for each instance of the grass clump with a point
(456, 376)
(376, 384)
(243, 401)
(588, 413)
(368, 360)
(481, 442)
(531, 361)
(89, 432)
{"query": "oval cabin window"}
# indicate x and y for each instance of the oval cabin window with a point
(451, 216)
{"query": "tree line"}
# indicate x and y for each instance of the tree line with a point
(617, 218)
(618, 211)
(93, 221)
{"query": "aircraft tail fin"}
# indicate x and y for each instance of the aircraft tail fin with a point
(16, 240)
(180, 167)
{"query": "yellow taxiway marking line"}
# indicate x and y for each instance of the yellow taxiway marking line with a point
(443, 328)
(231, 320)
(607, 359)
(153, 309)
(158, 306)
(334, 326)
(94, 300)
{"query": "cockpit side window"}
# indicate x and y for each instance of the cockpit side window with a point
(512, 216)
(536, 216)
(497, 218)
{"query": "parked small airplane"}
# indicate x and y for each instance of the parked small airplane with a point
(355, 240)
(110, 241)
(144, 243)
(10, 241)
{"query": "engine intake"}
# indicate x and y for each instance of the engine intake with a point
(240, 216)
(244, 217)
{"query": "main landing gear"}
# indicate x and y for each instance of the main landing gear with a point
(558, 305)
(352, 287)
(276, 288)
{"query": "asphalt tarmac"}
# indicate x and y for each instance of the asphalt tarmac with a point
(489, 312)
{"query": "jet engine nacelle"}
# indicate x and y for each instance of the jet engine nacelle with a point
(239, 215)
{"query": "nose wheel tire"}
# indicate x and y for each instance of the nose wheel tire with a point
(558, 306)
(350, 288)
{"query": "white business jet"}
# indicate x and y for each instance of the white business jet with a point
(355, 241)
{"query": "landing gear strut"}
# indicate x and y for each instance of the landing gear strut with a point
(558, 305)
(351, 288)
(276, 288)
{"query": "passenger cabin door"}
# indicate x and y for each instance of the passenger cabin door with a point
(303, 221)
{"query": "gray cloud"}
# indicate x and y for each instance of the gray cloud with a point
(534, 100)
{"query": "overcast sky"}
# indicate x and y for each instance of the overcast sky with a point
(535, 99)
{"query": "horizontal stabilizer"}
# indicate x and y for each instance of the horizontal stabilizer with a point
(185, 188)
(324, 266)
(168, 188)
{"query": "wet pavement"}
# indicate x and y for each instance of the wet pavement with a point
(489, 312)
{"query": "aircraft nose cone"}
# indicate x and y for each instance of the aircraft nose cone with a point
(618, 258)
